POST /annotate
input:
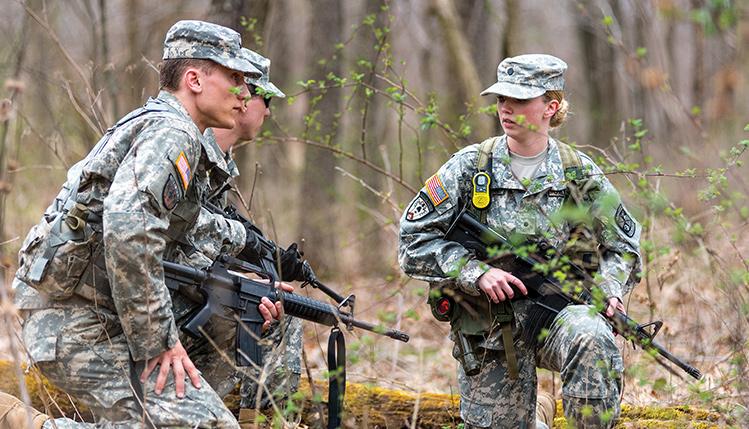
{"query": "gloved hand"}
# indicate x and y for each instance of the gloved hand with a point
(253, 248)
(292, 266)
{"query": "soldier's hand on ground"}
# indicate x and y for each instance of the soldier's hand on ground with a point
(178, 360)
(498, 284)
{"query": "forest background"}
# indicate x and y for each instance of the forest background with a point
(380, 93)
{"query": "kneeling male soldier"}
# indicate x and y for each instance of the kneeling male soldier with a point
(215, 234)
(98, 334)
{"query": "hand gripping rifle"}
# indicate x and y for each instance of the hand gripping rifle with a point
(224, 286)
(548, 293)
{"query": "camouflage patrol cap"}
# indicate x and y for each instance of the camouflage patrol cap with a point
(263, 82)
(204, 40)
(528, 76)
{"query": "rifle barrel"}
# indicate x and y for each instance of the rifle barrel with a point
(319, 312)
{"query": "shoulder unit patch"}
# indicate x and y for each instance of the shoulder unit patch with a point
(170, 195)
(419, 208)
(435, 189)
(625, 221)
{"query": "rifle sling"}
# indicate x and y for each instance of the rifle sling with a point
(337, 380)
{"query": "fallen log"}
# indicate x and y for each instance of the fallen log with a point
(366, 406)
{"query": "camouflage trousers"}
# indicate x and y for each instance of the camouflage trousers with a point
(84, 352)
(279, 375)
(263, 387)
(579, 346)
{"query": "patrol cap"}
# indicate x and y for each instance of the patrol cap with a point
(263, 82)
(528, 76)
(204, 40)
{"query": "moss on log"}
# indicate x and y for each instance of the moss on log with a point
(369, 407)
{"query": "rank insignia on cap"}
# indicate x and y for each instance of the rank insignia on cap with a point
(170, 194)
(625, 222)
(419, 208)
(436, 191)
(184, 169)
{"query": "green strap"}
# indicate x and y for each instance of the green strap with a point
(487, 147)
(512, 360)
(571, 162)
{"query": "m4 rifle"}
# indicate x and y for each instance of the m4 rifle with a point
(548, 292)
(227, 284)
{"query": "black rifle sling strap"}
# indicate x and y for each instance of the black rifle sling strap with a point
(337, 377)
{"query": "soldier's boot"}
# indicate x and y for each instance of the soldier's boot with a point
(13, 414)
(249, 418)
(546, 408)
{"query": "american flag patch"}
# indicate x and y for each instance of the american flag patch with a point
(184, 169)
(435, 189)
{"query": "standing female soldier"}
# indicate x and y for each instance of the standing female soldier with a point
(527, 190)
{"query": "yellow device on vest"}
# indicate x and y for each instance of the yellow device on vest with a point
(481, 183)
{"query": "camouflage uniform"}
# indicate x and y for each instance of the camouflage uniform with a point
(136, 179)
(580, 345)
(214, 234)
(281, 344)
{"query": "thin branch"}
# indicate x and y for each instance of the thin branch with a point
(348, 155)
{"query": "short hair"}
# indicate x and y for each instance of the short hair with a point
(563, 109)
(171, 71)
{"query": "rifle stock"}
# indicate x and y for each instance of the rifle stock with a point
(223, 287)
(549, 293)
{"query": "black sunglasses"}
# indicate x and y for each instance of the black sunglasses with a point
(266, 98)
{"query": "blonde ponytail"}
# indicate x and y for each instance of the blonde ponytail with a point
(563, 109)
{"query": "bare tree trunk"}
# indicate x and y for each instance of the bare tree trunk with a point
(600, 61)
(513, 35)
(742, 50)
(319, 220)
(476, 16)
(134, 66)
(367, 245)
(460, 60)
(110, 80)
(231, 13)
(700, 77)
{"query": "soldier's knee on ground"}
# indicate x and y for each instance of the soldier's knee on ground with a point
(14, 414)
(591, 413)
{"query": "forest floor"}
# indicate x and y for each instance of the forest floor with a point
(425, 365)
